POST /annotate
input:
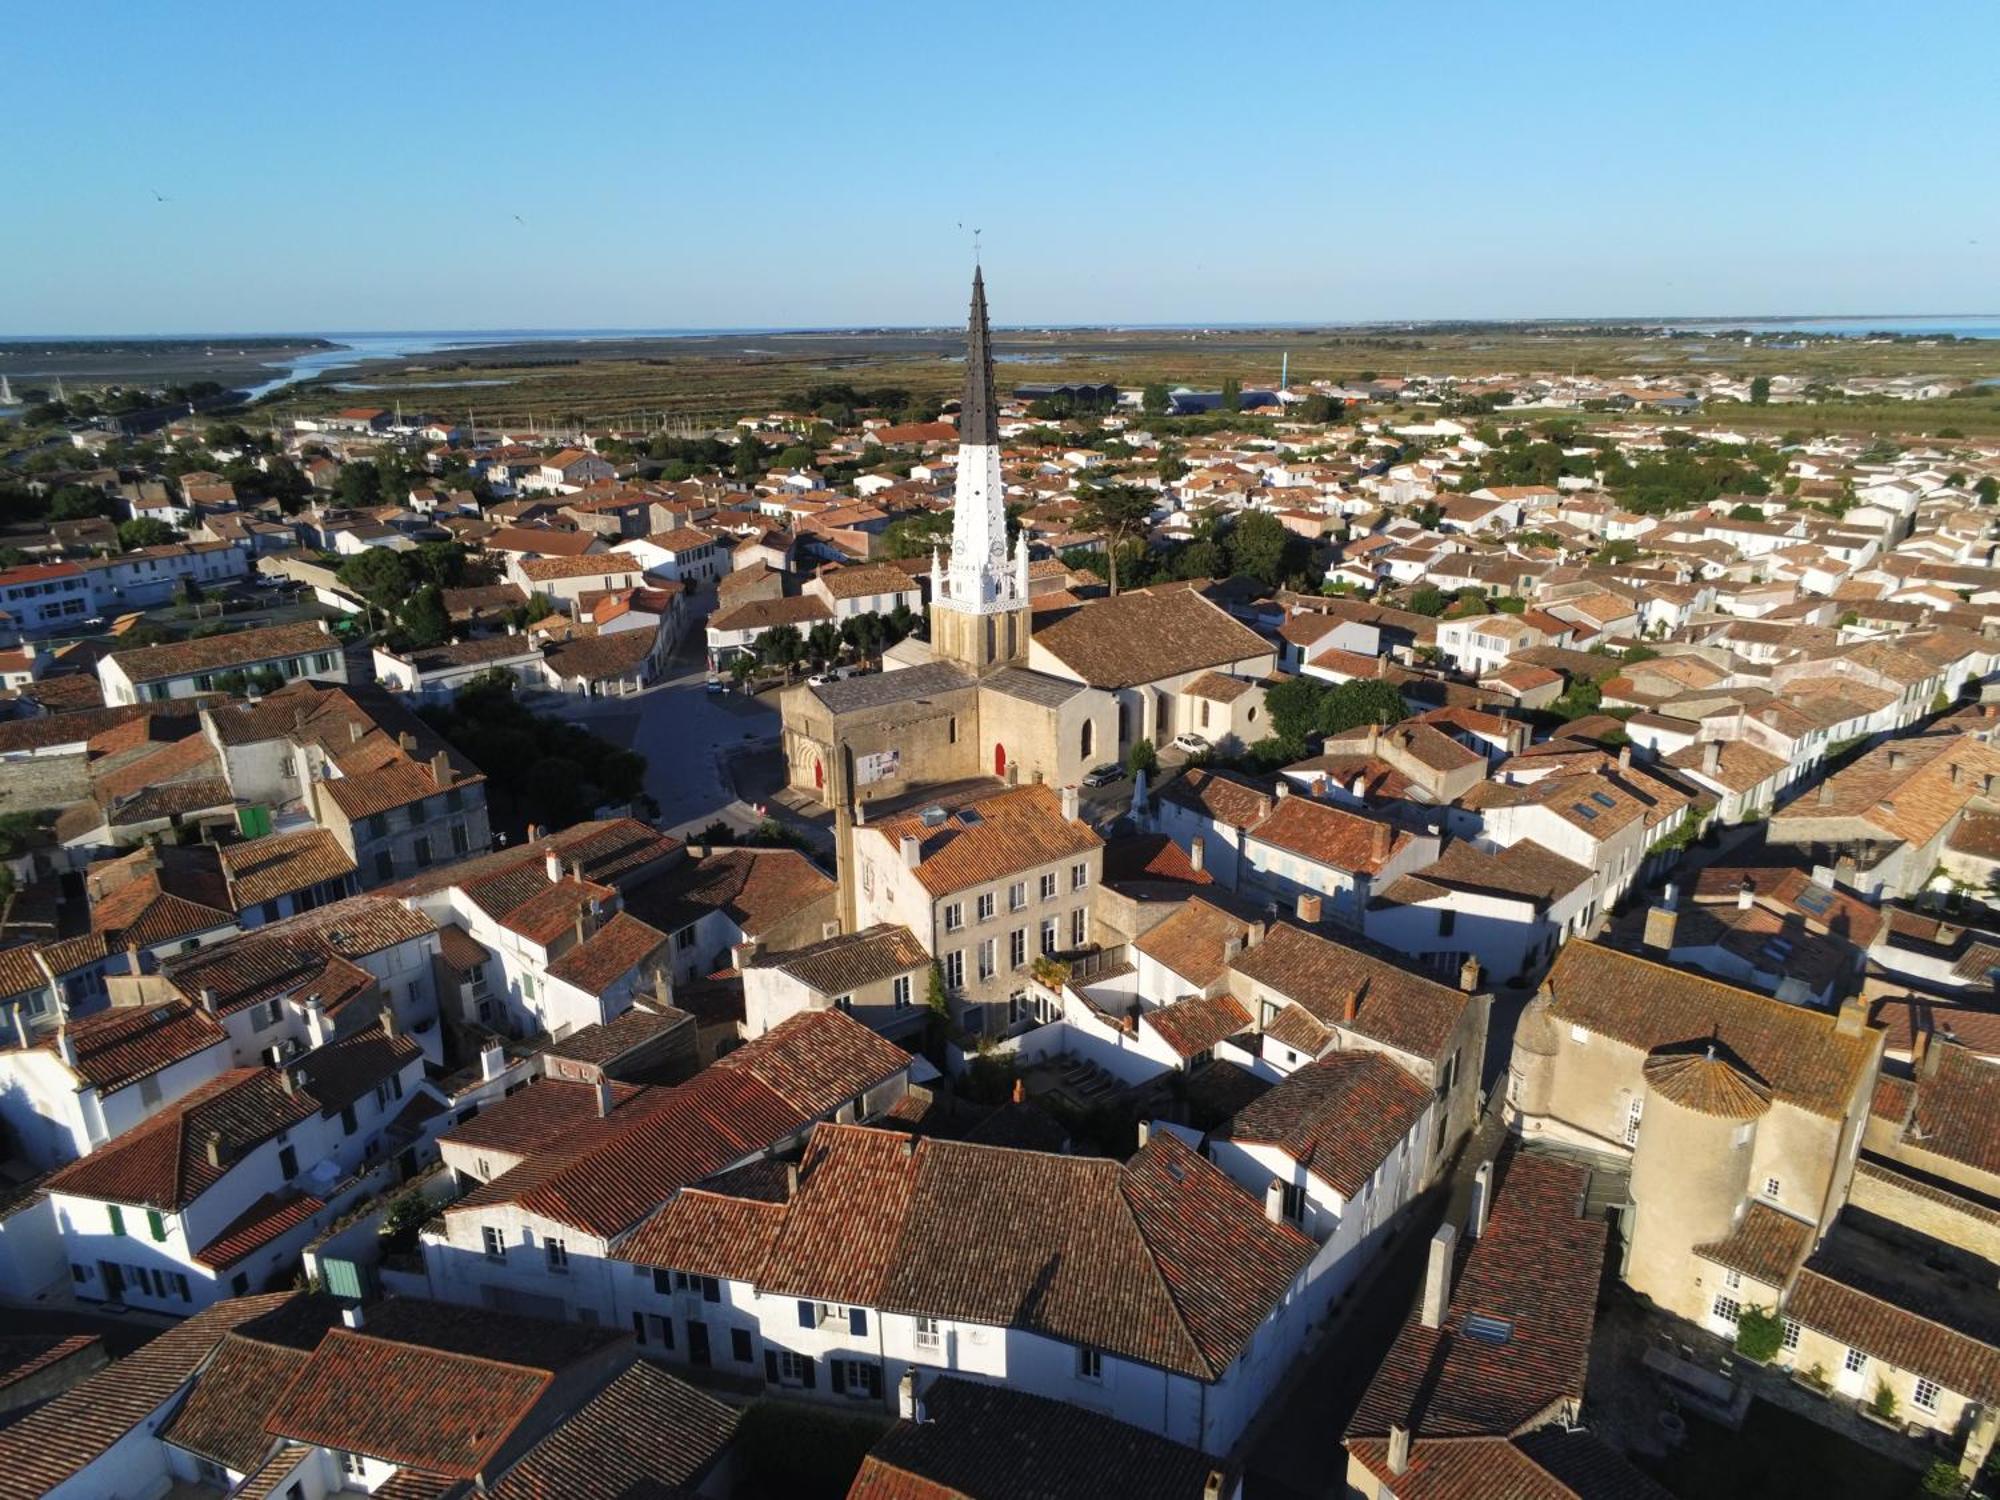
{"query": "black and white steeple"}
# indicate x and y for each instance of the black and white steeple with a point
(979, 578)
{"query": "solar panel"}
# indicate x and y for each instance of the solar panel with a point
(969, 817)
(1587, 810)
(1602, 799)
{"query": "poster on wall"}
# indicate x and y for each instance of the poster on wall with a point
(879, 766)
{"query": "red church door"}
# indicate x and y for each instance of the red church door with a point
(1000, 761)
(819, 774)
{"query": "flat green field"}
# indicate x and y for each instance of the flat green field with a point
(712, 380)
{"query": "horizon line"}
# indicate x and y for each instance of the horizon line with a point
(1235, 325)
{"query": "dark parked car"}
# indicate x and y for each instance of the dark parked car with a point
(1103, 775)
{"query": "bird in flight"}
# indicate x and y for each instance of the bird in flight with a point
(521, 221)
(159, 197)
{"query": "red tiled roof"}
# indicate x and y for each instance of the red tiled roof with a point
(644, 1434)
(1340, 1117)
(52, 1443)
(1800, 1055)
(1535, 1272)
(990, 838)
(1395, 1007)
(269, 1217)
(1194, 1025)
(431, 1409)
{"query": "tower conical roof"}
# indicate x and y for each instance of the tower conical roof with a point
(978, 413)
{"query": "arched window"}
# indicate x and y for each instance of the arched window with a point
(1089, 738)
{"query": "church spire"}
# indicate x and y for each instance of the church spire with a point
(979, 596)
(978, 413)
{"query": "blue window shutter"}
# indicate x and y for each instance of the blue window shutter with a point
(807, 1317)
(857, 1321)
(808, 1373)
(771, 1365)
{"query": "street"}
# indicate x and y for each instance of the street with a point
(687, 735)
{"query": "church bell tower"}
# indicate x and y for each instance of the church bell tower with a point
(979, 598)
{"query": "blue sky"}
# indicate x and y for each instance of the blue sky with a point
(360, 166)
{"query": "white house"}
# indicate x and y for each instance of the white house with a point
(1052, 1275)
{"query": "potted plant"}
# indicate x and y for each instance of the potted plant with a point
(1813, 1376)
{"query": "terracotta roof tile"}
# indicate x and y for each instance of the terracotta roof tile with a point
(264, 869)
(1144, 637)
(614, 950)
(987, 1442)
(990, 838)
(1330, 835)
(645, 1433)
(1194, 1025)
(1767, 1245)
(841, 964)
(222, 653)
(1535, 1271)
(1340, 1117)
(1194, 942)
(1395, 1007)
(1798, 1054)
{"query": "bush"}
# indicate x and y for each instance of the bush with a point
(1142, 757)
(1942, 1478)
(1759, 1334)
(1884, 1403)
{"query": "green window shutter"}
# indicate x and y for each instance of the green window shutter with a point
(156, 1223)
(117, 1219)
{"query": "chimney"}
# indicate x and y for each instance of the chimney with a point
(1896, 759)
(441, 769)
(791, 1180)
(1711, 757)
(1069, 803)
(1925, 1061)
(1380, 841)
(1746, 893)
(315, 1009)
(1308, 908)
(1661, 920)
(1625, 756)
(66, 1048)
(355, 731)
(552, 866)
(209, 999)
(1274, 1202)
(1482, 1200)
(1020, 1094)
(741, 953)
(212, 1146)
(534, 832)
(391, 1027)
(492, 1061)
(351, 1315)
(829, 930)
(1284, 788)
(1468, 975)
(603, 1087)
(1399, 1449)
(1853, 1017)
(1351, 1007)
(913, 851)
(1920, 1041)
(909, 1147)
(1437, 1276)
(407, 743)
(1825, 791)
(288, 1079)
(909, 1405)
(1145, 1133)
(1231, 949)
(1198, 853)
(1211, 1488)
